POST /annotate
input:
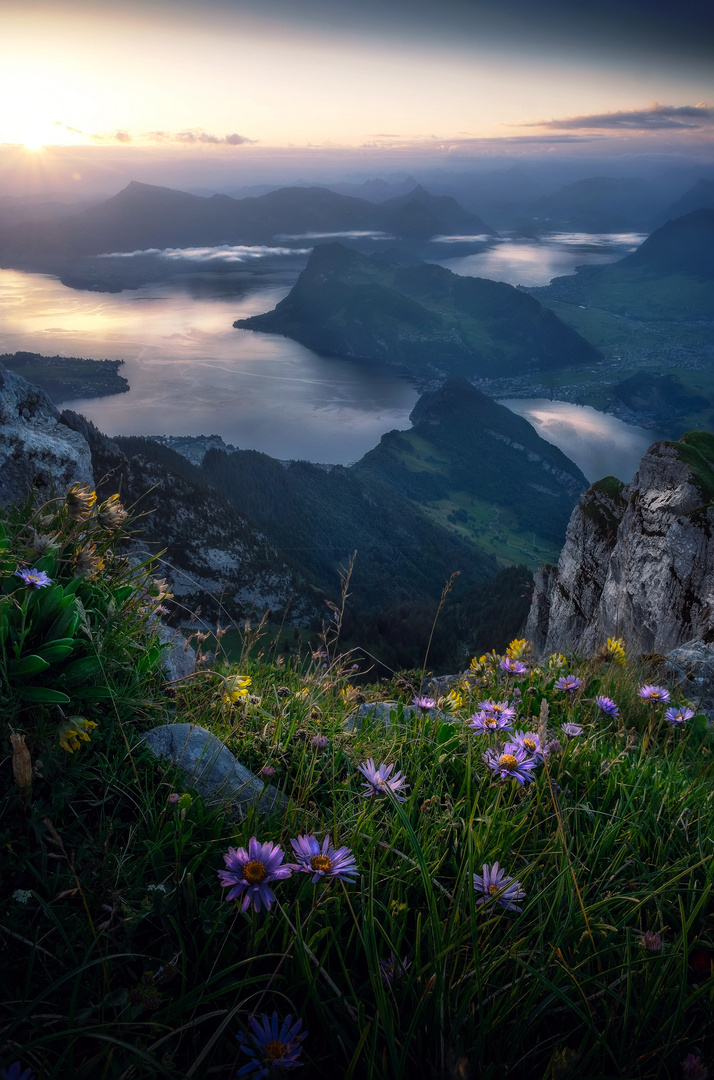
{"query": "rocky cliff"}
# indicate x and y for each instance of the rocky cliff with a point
(638, 560)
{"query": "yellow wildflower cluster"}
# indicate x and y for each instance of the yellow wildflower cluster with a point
(111, 514)
(484, 664)
(519, 649)
(454, 700)
(235, 688)
(79, 501)
(72, 730)
(87, 563)
(615, 650)
(557, 662)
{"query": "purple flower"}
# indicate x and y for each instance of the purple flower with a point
(573, 730)
(654, 693)
(267, 772)
(513, 764)
(693, 1068)
(251, 871)
(501, 709)
(36, 578)
(485, 721)
(378, 780)
(678, 716)
(608, 706)
(513, 667)
(651, 941)
(530, 742)
(553, 746)
(497, 888)
(320, 742)
(424, 703)
(392, 968)
(173, 798)
(16, 1072)
(271, 1044)
(570, 683)
(323, 862)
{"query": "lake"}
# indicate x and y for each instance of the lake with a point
(191, 373)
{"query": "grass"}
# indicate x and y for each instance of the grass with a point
(123, 960)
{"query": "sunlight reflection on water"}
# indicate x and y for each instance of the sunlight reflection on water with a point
(600, 444)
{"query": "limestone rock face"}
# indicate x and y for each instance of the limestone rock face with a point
(692, 666)
(638, 561)
(36, 448)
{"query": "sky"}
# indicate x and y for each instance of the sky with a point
(98, 85)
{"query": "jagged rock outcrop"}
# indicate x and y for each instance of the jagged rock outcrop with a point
(36, 448)
(638, 560)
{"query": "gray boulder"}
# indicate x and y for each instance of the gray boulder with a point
(692, 667)
(384, 712)
(36, 449)
(212, 769)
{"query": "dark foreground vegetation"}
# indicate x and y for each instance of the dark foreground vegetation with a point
(588, 951)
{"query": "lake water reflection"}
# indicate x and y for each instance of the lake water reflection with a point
(600, 444)
(524, 261)
(191, 373)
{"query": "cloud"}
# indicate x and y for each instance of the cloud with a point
(348, 235)
(190, 137)
(226, 253)
(654, 118)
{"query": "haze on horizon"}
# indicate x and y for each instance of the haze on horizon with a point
(108, 90)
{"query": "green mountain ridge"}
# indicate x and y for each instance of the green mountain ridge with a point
(421, 317)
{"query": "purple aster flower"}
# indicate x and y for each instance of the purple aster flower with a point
(553, 746)
(497, 708)
(678, 716)
(271, 1044)
(424, 703)
(484, 721)
(530, 742)
(608, 706)
(651, 941)
(251, 872)
(323, 862)
(512, 764)
(654, 693)
(267, 772)
(693, 1068)
(569, 683)
(573, 730)
(16, 1072)
(36, 578)
(378, 780)
(496, 887)
(320, 742)
(392, 968)
(513, 667)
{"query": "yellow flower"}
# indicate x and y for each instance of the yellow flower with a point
(615, 650)
(79, 501)
(87, 563)
(72, 730)
(557, 661)
(111, 514)
(518, 649)
(454, 700)
(235, 688)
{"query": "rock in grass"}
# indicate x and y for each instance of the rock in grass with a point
(385, 712)
(692, 665)
(212, 769)
(179, 660)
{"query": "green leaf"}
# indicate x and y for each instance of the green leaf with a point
(122, 594)
(699, 725)
(80, 670)
(46, 563)
(42, 695)
(66, 622)
(28, 665)
(149, 659)
(53, 653)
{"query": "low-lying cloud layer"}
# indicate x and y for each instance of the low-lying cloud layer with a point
(190, 137)
(654, 118)
(347, 235)
(226, 253)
